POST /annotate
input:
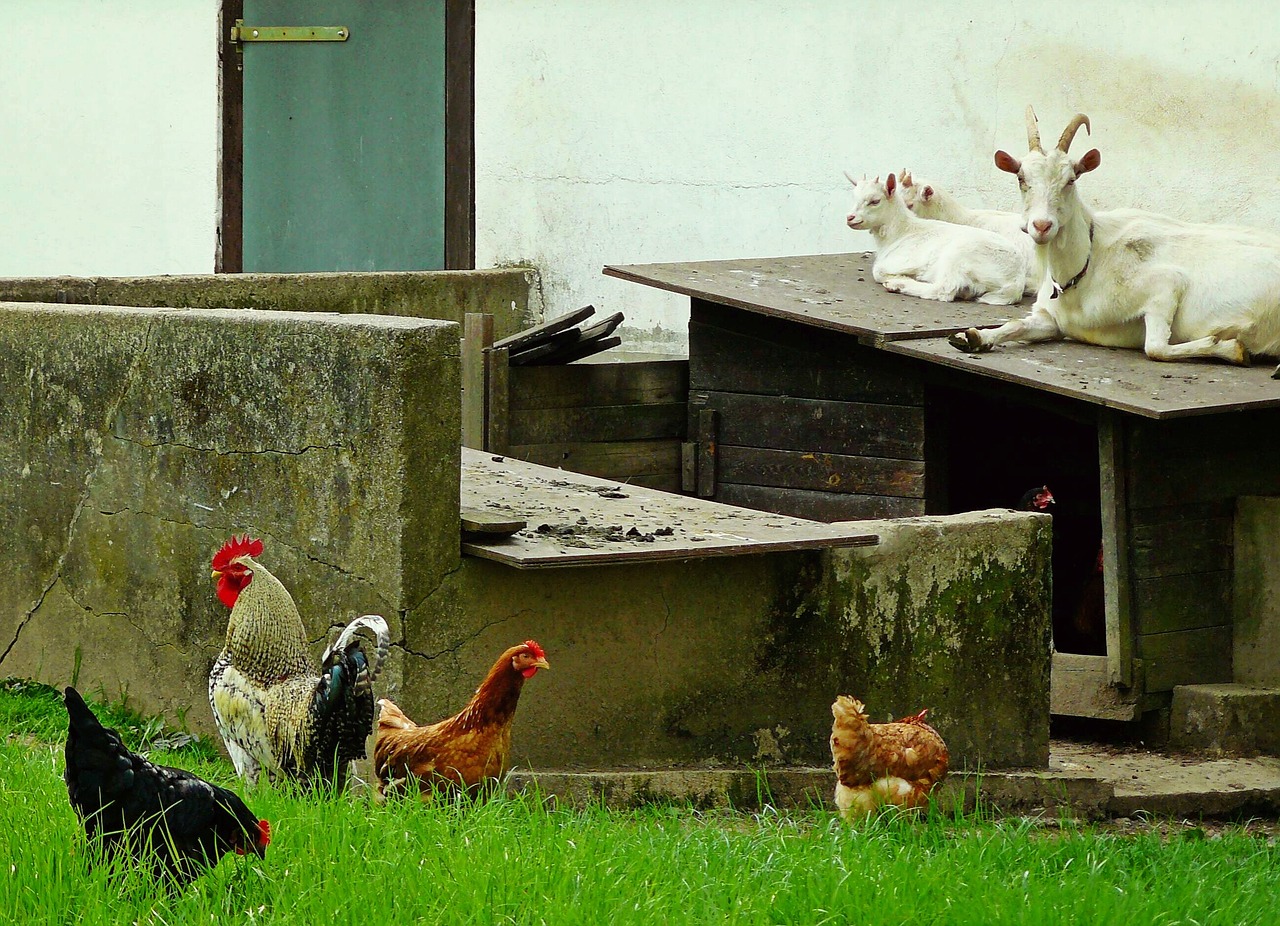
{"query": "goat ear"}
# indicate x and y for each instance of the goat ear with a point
(1007, 162)
(1092, 158)
(890, 185)
(927, 193)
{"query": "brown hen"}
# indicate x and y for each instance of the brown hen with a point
(883, 763)
(466, 749)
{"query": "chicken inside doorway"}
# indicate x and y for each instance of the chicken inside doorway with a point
(1018, 449)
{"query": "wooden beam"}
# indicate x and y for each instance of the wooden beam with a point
(497, 421)
(229, 256)
(477, 335)
(707, 432)
(1112, 481)
(459, 134)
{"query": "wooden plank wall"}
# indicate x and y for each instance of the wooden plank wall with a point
(808, 422)
(619, 421)
(1183, 480)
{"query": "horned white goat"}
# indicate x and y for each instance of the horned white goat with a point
(933, 260)
(1135, 279)
(929, 202)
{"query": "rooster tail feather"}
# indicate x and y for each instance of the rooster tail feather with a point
(382, 641)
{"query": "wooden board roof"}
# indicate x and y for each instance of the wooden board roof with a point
(1111, 376)
(576, 520)
(833, 291)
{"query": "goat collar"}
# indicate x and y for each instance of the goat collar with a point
(1058, 290)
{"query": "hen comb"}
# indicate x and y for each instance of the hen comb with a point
(236, 546)
(535, 650)
(264, 833)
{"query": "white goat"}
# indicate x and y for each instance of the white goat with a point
(934, 260)
(1135, 279)
(929, 202)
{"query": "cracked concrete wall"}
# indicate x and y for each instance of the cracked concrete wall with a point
(511, 295)
(135, 441)
(736, 660)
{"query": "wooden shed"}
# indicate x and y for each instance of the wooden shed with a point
(814, 392)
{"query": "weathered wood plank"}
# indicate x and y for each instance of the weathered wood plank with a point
(485, 523)
(822, 472)
(1223, 474)
(708, 438)
(619, 460)
(811, 425)
(735, 351)
(581, 520)
(497, 421)
(1114, 501)
(1182, 602)
(477, 335)
(832, 291)
(540, 332)
(1111, 377)
(1168, 514)
(598, 423)
(1080, 686)
(818, 506)
(582, 385)
(1178, 547)
(1187, 657)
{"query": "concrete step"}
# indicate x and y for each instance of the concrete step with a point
(1225, 720)
(1084, 781)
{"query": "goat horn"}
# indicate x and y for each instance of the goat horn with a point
(1033, 131)
(1069, 133)
(848, 176)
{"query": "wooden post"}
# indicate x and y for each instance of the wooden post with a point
(477, 335)
(1112, 471)
(498, 366)
(707, 452)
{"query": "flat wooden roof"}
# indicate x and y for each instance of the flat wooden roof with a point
(577, 520)
(824, 290)
(836, 292)
(1112, 376)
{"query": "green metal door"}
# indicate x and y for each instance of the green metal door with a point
(344, 152)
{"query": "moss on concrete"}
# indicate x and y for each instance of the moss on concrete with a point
(137, 440)
(510, 294)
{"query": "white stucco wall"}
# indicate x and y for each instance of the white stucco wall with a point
(617, 132)
(108, 137)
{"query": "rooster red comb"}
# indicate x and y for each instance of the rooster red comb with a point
(535, 650)
(236, 546)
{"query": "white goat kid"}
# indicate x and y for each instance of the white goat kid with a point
(1134, 279)
(933, 260)
(929, 202)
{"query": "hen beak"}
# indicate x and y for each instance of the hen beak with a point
(217, 574)
(541, 664)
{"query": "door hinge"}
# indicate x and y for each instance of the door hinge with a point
(241, 33)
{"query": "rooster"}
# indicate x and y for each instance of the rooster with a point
(466, 749)
(181, 823)
(883, 763)
(273, 711)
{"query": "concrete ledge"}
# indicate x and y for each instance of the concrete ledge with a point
(1006, 793)
(510, 294)
(1227, 719)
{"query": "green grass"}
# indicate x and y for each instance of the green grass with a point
(521, 860)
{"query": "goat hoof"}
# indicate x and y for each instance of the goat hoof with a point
(969, 341)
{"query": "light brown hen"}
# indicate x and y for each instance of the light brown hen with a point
(883, 763)
(466, 749)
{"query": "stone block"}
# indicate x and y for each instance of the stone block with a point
(1234, 719)
(135, 441)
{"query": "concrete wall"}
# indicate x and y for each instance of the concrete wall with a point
(110, 155)
(1256, 598)
(135, 441)
(511, 295)
(733, 661)
(609, 133)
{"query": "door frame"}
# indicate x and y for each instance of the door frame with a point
(459, 139)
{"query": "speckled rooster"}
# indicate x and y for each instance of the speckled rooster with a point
(273, 711)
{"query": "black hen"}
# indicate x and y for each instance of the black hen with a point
(177, 822)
